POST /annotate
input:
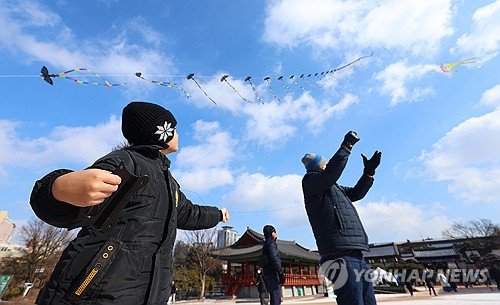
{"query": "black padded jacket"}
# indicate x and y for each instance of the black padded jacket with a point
(132, 263)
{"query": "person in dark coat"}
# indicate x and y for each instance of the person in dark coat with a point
(429, 281)
(173, 291)
(131, 264)
(409, 285)
(335, 222)
(273, 274)
(261, 288)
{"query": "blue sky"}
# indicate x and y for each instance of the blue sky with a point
(438, 131)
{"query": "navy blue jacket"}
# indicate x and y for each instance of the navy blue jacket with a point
(270, 250)
(334, 220)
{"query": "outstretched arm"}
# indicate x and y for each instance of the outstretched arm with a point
(196, 217)
(63, 197)
(315, 182)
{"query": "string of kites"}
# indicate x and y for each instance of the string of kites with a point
(310, 78)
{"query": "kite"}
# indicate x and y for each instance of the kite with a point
(305, 79)
(285, 87)
(295, 82)
(257, 96)
(191, 77)
(450, 67)
(224, 79)
(48, 77)
(267, 79)
(353, 62)
(162, 83)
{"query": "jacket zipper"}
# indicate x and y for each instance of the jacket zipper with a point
(102, 261)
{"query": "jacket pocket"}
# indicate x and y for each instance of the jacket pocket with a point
(89, 279)
(339, 219)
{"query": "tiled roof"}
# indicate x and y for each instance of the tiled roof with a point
(289, 250)
(440, 252)
(381, 250)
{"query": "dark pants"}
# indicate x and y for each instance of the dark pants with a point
(262, 297)
(433, 290)
(409, 286)
(273, 288)
(356, 291)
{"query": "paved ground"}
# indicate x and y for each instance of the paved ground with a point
(472, 296)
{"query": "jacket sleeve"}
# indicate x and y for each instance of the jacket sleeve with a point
(317, 182)
(273, 256)
(359, 191)
(196, 217)
(47, 208)
(62, 214)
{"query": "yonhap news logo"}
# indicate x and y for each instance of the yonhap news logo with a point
(334, 272)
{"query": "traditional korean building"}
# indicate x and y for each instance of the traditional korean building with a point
(300, 266)
(438, 257)
(385, 254)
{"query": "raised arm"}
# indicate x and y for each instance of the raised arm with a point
(364, 183)
(315, 182)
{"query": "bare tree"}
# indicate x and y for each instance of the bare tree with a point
(44, 244)
(473, 228)
(202, 242)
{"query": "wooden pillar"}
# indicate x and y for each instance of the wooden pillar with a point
(300, 269)
(291, 267)
(229, 268)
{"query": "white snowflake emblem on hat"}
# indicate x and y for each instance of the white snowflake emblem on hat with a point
(165, 131)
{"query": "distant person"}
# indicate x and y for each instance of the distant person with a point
(335, 222)
(494, 272)
(273, 274)
(409, 286)
(261, 288)
(441, 278)
(173, 291)
(429, 281)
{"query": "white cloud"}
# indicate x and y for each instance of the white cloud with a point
(491, 97)
(396, 77)
(33, 31)
(205, 166)
(468, 156)
(400, 220)
(483, 40)
(281, 195)
(82, 144)
(272, 123)
(336, 24)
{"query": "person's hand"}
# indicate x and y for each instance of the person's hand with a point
(85, 188)
(225, 215)
(372, 163)
(350, 139)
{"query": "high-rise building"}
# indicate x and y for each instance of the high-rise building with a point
(226, 236)
(6, 227)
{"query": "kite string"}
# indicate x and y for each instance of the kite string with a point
(246, 212)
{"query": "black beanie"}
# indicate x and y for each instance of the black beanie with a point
(268, 230)
(146, 123)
